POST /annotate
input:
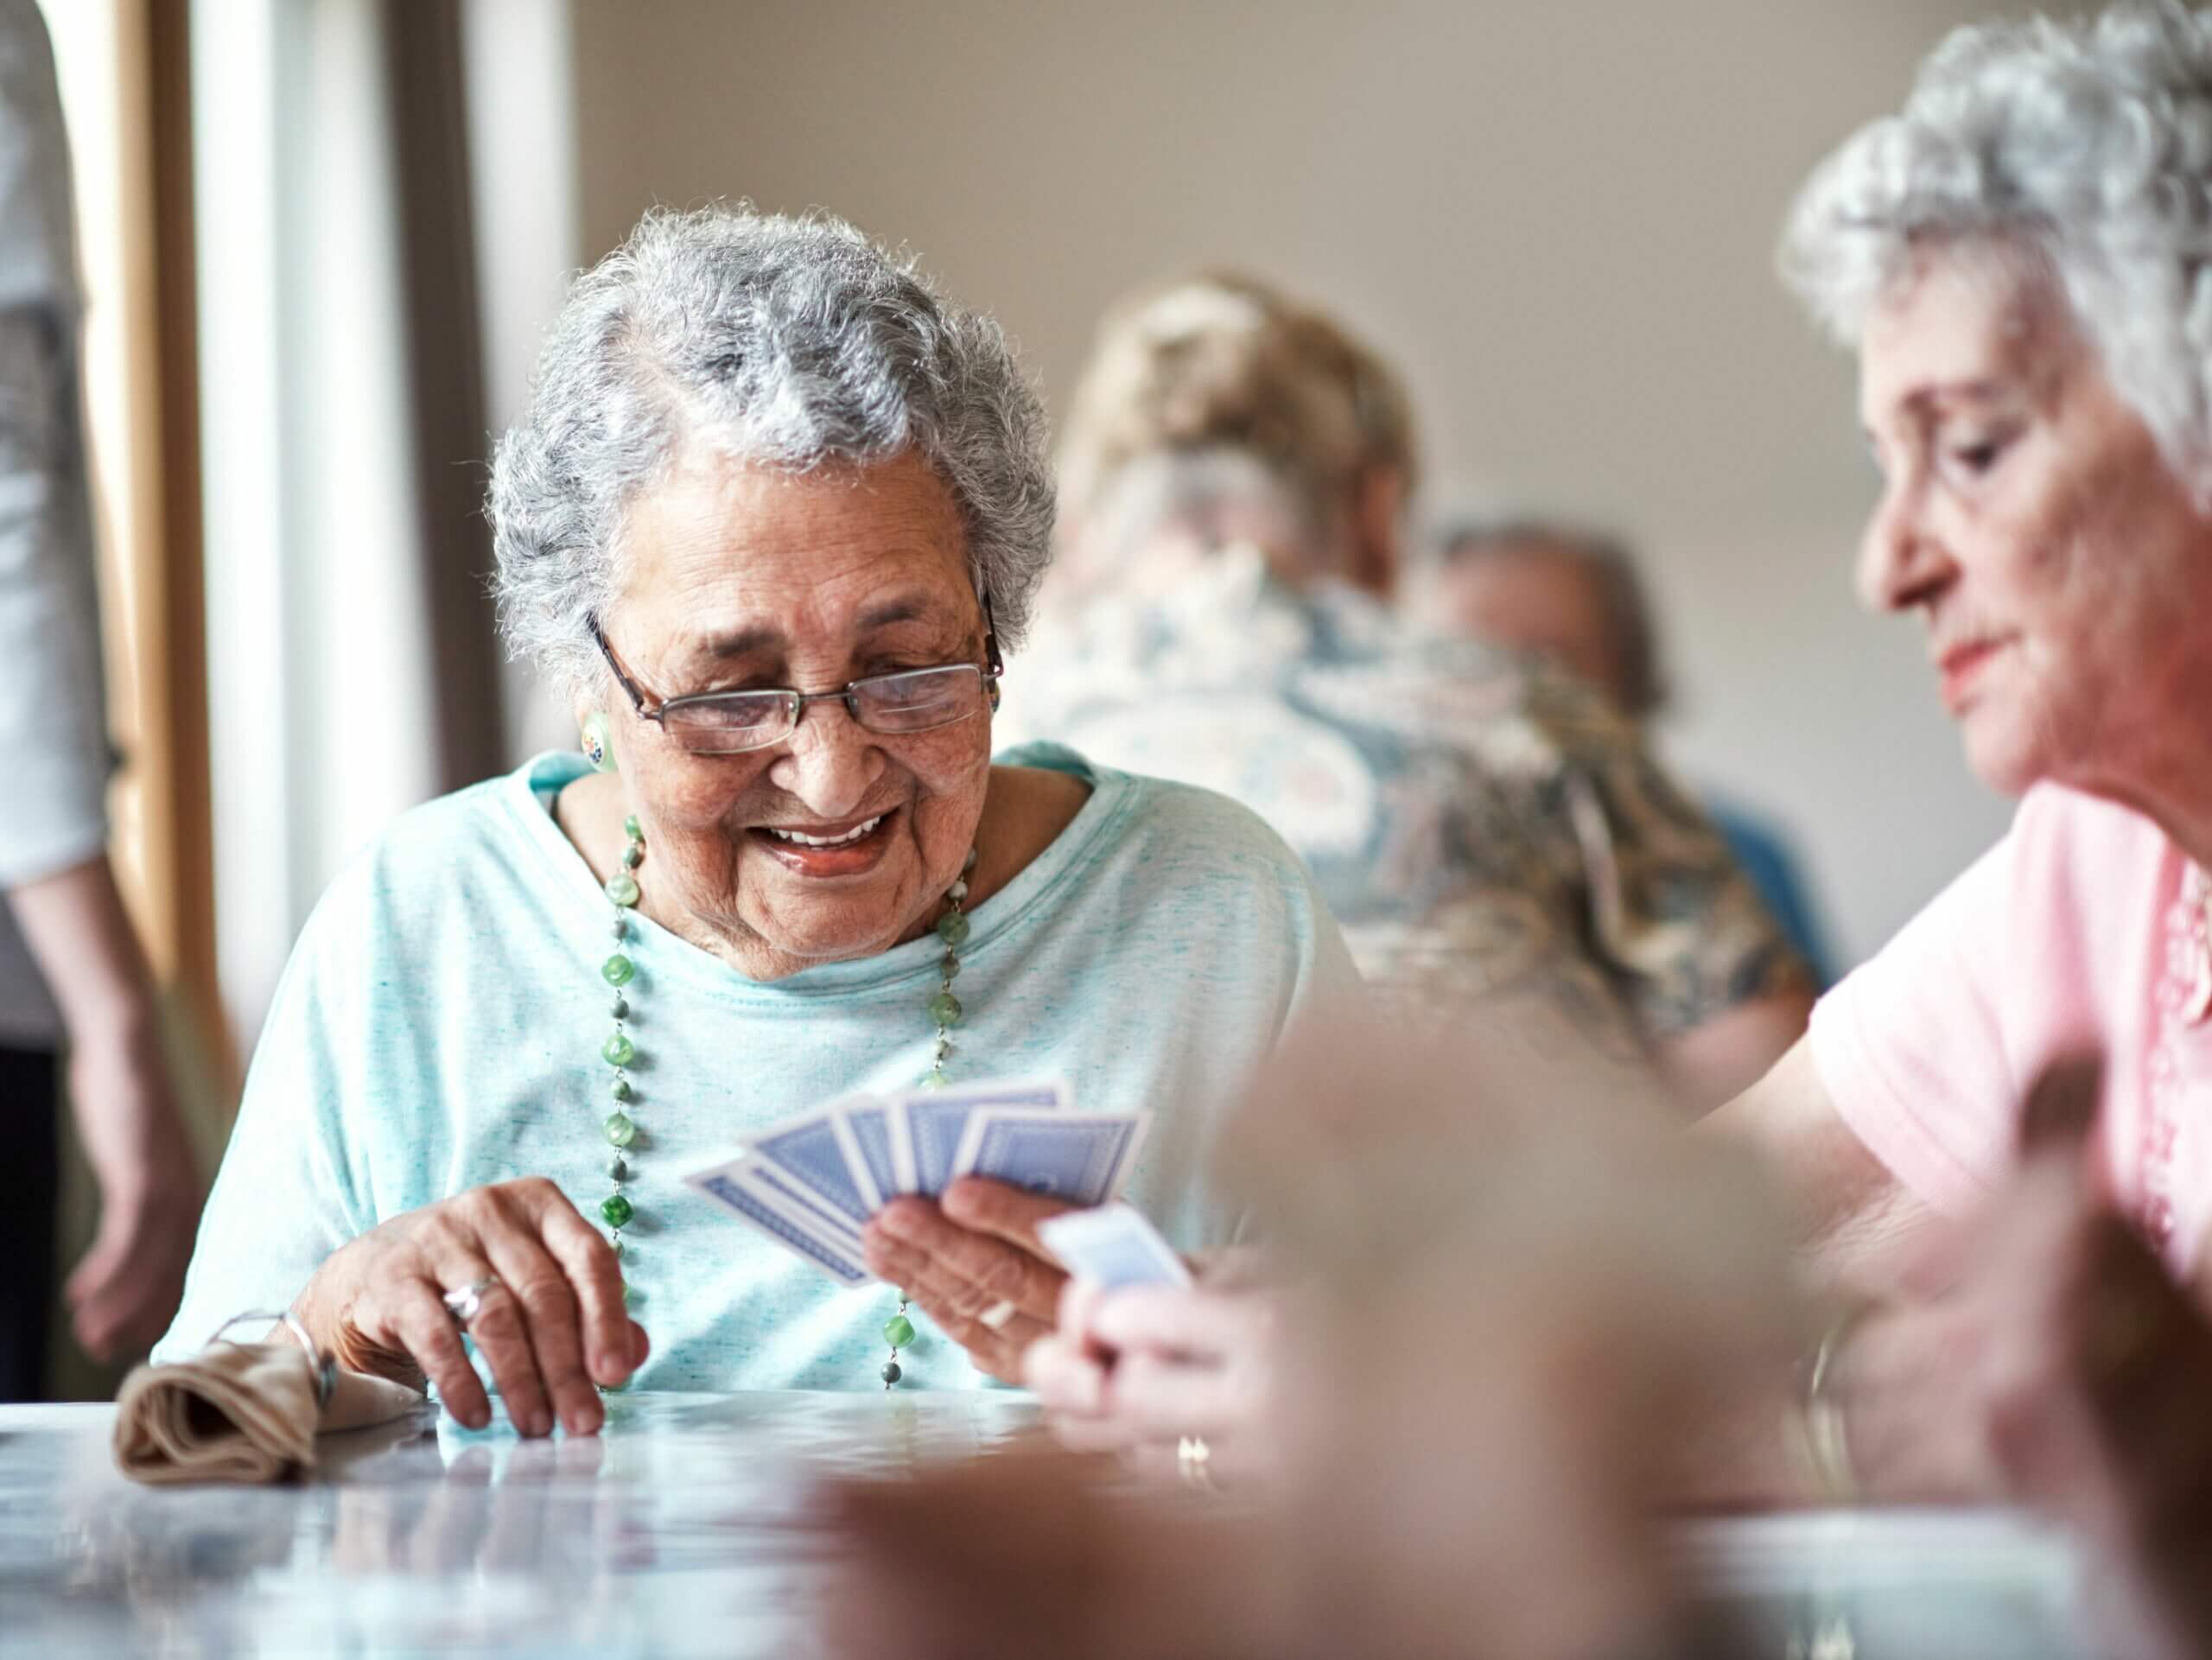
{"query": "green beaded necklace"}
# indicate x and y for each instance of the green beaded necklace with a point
(620, 1052)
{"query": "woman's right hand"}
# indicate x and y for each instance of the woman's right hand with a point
(551, 1328)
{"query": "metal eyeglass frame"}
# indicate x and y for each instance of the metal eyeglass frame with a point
(993, 667)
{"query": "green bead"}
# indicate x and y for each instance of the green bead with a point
(620, 1172)
(618, 970)
(935, 1080)
(620, 1089)
(616, 1210)
(631, 829)
(945, 1008)
(953, 928)
(622, 888)
(621, 1132)
(618, 1051)
(898, 1331)
(633, 856)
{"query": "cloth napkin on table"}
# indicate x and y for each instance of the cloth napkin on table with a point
(240, 1412)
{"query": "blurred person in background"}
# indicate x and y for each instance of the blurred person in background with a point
(1575, 598)
(1235, 469)
(72, 977)
(775, 505)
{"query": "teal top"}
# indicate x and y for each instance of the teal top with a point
(438, 1028)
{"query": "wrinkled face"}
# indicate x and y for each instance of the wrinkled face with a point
(742, 577)
(2028, 517)
(1531, 600)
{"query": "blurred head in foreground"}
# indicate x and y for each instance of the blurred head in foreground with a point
(1514, 1296)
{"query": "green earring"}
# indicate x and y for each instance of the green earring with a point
(597, 750)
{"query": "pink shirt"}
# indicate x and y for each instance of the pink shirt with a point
(2084, 927)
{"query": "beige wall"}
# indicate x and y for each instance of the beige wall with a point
(1558, 215)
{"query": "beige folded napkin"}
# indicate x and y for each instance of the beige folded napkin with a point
(240, 1412)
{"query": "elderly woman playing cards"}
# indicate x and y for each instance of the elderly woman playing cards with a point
(774, 513)
(2023, 260)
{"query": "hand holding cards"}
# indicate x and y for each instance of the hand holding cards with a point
(811, 1183)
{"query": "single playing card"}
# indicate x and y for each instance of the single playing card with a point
(732, 1187)
(868, 1122)
(1081, 1157)
(812, 1149)
(1113, 1246)
(928, 1125)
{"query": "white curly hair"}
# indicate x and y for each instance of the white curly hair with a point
(2084, 145)
(790, 341)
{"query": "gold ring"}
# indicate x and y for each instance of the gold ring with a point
(1195, 1459)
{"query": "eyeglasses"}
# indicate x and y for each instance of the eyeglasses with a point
(731, 722)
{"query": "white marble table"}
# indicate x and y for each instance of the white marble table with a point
(678, 1532)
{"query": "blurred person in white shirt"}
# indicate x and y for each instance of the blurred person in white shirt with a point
(73, 978)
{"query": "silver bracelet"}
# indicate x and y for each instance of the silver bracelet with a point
(325, 1368)
(1826, 1443)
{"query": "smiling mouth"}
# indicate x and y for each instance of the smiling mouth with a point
(831, 851)
(801, 838)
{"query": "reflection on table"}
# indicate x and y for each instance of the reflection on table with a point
(684, 1530)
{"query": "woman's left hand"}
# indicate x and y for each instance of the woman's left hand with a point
(972, 1262)
(1141, 1371)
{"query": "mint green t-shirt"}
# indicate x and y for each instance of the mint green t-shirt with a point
(438, 1028)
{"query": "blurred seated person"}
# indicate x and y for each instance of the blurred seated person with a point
(1236, 469)
(773, 506)
(1576, 599)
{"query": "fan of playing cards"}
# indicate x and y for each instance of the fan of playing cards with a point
(811, 1183)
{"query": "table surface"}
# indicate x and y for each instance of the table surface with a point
(676, 1532)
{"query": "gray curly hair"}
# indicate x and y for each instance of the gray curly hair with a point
(781, 341)
(2085, 146)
